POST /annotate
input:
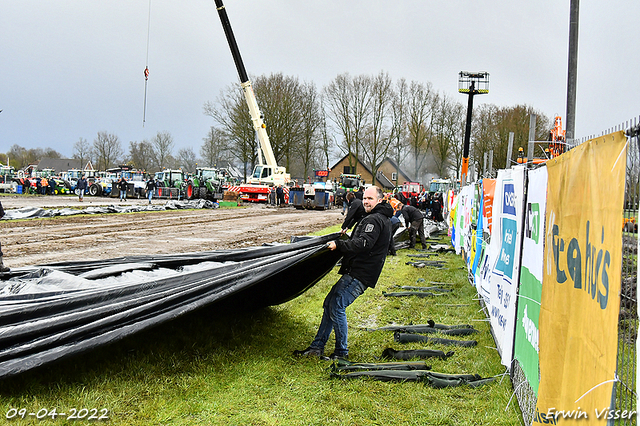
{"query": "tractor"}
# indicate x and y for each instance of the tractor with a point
(347, 183)
(207, 183)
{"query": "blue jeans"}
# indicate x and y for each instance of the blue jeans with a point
(334, 317)
(123, 195)
(150, 195)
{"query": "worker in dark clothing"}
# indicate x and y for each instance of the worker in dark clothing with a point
(2, 267)
(81, 187)
(280, 196)
(395, 224)
(359, 193)
(437, 208)
(151, 188)
(354, 214)
(122, 186)
(363, 258)
(414, 220)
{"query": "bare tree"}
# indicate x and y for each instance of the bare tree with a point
(230, 113)
(327, 140)
(491, 128)
(187, 159)
(51, 153)
(141, 155)
(361, 109)
(376, 146)
(279, 97)
(449, 118)
(81, 151)
(311, 121)
(163, 149)
(19, 156)
(398, 137)
(420, 121)
(214, 148)
(107, 150)
(338, 100)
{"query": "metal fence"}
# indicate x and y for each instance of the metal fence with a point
(624, 396)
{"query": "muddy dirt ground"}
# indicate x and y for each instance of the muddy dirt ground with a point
(90, 237)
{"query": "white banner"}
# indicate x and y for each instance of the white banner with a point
(505, 266)
(530, 290)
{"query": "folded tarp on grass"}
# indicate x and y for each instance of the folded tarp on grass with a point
(431, 378)
(342, 365)
(427, 329)
(53, 311)
(37, 212)
(390, 353)
(408, 338)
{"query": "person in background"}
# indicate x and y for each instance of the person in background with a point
(363, 258)
(44, 185)
(122, 186)
(414, 220)
(81, 186)
(280, 195)
(354, 214)
(395, 224)
(150, 188)
(52, 186)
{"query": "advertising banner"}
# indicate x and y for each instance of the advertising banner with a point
(483, 271)
(488, 189)
(530, 292)
(581, 283)
(504, 278)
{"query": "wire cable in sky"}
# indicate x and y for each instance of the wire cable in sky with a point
(146, 68)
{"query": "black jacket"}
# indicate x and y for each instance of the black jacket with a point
(411, 214)
(366, 250)
(122, 185)
(354, 214)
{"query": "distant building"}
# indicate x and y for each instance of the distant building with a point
(59, 164)
(385, 177)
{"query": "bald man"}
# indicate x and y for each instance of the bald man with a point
(364, 254)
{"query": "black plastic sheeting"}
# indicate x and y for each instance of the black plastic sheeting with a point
(50, 312)
(37, 212)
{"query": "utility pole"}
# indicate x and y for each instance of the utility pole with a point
(572, 80)
(476, 83)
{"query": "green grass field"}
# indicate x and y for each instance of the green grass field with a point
(222, 367)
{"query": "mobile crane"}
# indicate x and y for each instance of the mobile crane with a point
(268, 174)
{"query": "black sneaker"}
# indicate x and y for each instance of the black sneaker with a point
(309, 352)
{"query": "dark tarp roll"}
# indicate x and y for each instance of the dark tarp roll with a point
(426, 329)
(432, 378)
(49, 312)
(408, 337)
(414, 288)
(342, 365)
(390, 353)
(410, 293)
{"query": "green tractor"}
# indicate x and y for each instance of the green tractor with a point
(206, 183)
(347, 183)
(170, 183)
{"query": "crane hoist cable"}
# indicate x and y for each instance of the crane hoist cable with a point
(146, 68)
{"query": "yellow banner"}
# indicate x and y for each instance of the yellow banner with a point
(581, 283)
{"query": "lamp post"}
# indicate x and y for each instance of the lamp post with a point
(471, 83)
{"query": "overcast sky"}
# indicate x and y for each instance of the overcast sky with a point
(69, 69)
